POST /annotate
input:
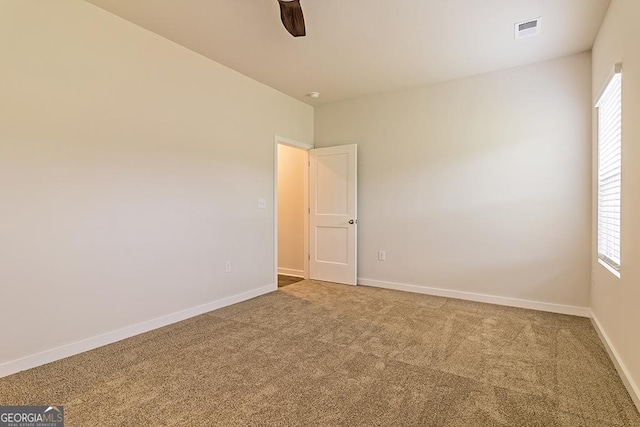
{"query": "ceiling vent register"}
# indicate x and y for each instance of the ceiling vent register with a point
(527, 28)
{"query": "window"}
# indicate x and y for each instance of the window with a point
(609, 170)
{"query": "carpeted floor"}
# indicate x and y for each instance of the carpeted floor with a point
(323, 354)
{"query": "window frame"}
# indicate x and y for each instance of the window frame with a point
(606, 251)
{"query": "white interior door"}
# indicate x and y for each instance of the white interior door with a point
(333, 222)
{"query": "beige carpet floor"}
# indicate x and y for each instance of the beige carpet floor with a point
(323, 354)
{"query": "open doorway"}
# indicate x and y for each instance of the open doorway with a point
(291, 203)
(329, 223)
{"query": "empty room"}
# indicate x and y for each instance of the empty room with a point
(330, 213)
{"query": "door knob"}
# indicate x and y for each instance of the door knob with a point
(351, 221)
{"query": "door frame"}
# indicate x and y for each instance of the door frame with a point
(302, 146)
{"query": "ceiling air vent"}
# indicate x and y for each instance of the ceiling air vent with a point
(527, 28)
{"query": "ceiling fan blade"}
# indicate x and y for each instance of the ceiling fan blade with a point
(292, 17)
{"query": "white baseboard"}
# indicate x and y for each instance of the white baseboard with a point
(61, 352)
(632, 387)
(490, 299)
(290, 272)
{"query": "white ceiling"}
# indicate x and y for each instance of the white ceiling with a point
(360, 47)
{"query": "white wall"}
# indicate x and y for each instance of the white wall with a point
(479, 185)
(292, 167)
(615, 302)
(130, 170)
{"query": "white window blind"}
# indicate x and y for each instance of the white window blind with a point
(609, 170)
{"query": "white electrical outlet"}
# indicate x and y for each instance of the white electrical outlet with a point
(227, 267)
(381, 255)
(262, 204)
